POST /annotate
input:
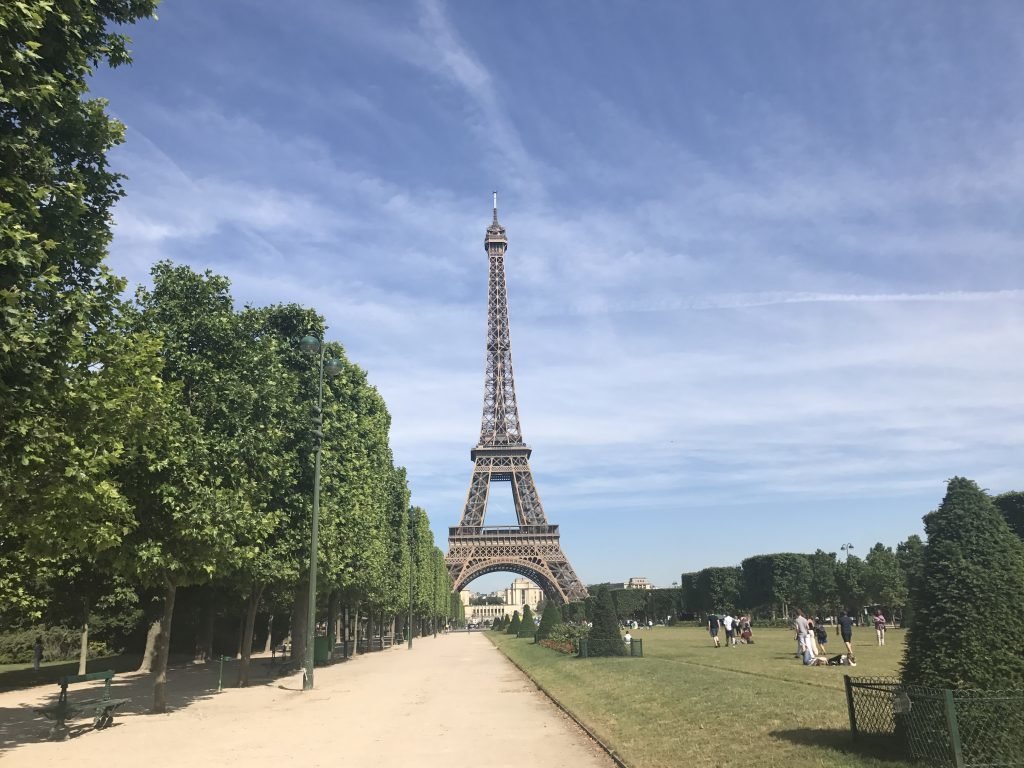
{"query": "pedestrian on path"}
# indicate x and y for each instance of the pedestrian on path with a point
(37, 653)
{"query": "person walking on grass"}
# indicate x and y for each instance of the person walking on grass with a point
(713, 628)
(880, 627)
(802, 629)
(730, 635)
(37, 653)
(846, 631)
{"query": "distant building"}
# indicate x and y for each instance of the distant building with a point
(639, 582)
(519, 593)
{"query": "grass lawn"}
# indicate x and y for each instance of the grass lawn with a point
(687, 703)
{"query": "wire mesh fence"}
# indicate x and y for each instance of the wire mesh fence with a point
(941, 727)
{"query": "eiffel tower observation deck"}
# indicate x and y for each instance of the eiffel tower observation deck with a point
(531, 548)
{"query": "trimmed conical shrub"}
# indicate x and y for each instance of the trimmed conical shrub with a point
(527, 622)
(513, 626)
(604, 638)
(548, 620)
(966, 605)
(499, 624)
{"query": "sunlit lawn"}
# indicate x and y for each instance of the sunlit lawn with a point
(688, 703)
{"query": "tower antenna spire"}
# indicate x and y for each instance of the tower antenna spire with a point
(495, 207)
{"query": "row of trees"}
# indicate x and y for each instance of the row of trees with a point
(774, 584)
(167, 441)
(821, 583)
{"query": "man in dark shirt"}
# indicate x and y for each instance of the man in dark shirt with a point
(713, 628)
(846, 631)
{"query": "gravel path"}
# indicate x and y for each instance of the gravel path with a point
(451, 700)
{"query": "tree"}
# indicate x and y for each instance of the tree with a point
(885, 582)
(197, 508)
(717, 589)
(604, 638)
(527, 621)
(551, 618)
(823, 590)
(513, 626)
(910, 555)
(850, 581)
(1011, 505)
(67, 370)
(972, 578)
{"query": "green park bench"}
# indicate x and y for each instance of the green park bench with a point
(62, 710)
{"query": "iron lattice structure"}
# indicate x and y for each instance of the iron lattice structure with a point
(532, 547)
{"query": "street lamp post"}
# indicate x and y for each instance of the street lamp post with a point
(412, 568)
(846, 548)
(311, 346)
(436, 614)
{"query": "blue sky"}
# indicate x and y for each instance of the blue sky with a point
(765, 269)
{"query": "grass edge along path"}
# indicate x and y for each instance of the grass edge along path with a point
(686, 703)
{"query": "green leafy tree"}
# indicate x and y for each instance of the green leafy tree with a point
(851, 580)
(196, 507)
(910, 554)
(973, 567)
(551, 618)
(823, 590)
(885, 582)
(604, 639)
(67, 369)
(1011, 505)
(513, 626)
(718, 589)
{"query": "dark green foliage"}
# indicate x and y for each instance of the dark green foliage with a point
(1011, 505)
(512, 628)
(573, 612)
(910, 554)
(967, 616)
(718, 589)
(776, 581)
(59, 644)
(527, 620)
(605, 639)
(630, 604)
(548, 620)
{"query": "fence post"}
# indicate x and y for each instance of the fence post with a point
(954, 729)
(850, 707)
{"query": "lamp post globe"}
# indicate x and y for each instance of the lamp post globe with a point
(309, 344)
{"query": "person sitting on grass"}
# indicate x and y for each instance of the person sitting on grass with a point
(811, 660)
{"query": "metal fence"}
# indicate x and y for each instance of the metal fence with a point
(942, 727)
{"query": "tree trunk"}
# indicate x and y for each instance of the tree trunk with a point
(332, 621)
(346, 630)
(83, 653)
(269, 646)
(147, 655)
(354, 619)
(163, 649)
(300, 613)
(250, 624)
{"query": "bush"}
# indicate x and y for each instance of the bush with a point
(527, 621)
(59, 644)
(605, 639)
(971, 581)
(513, 626)
(550, 618)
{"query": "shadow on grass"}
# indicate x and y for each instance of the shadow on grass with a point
(884, 748)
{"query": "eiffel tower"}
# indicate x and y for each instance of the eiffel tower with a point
(532, 547)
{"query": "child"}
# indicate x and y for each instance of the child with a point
(821, 635)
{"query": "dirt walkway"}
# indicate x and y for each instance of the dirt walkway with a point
(451, 700)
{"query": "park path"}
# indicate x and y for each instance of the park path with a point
(454, 699)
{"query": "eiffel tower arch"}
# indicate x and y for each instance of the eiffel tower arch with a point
(531, 548)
